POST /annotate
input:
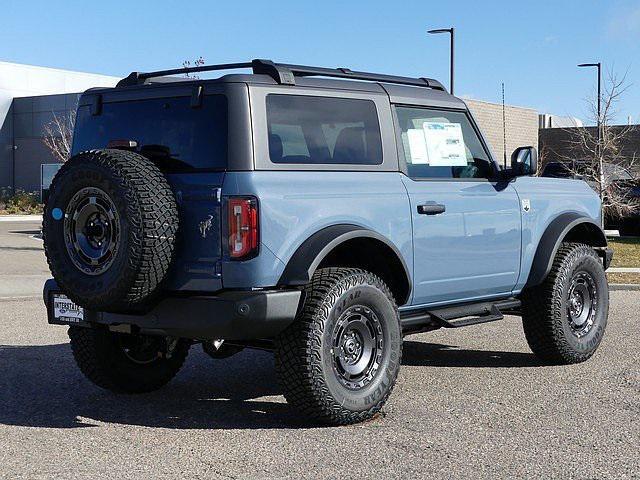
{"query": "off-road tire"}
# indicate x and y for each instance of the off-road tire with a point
(101, 359)
(545, 308)
(148, 225)
(304, 355)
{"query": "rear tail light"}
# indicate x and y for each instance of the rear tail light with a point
(243, 227)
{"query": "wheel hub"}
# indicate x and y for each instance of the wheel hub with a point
(582, 303)
(92, 231)
(357, 347)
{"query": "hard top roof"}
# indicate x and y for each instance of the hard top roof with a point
(409, 90)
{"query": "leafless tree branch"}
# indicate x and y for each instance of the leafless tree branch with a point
(58, 134)
(189, 64)
(589, 154)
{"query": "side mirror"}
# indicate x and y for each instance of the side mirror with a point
(524, 161)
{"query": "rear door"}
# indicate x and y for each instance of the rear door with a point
(466, 228)
(187, 139)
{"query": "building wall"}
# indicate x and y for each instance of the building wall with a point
(18, 81)
(556, 144)
(521, 127)
(30, 117)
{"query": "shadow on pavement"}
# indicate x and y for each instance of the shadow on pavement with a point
(437, 355)
(40, 386)
(26, 249)
(25, 232)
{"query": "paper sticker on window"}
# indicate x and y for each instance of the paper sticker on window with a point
(417, 147)
(445, 144)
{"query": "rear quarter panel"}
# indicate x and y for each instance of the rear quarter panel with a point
(548, 199)
(296, 204)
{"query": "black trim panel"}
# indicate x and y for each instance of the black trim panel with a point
(308, 256)
(550, 243)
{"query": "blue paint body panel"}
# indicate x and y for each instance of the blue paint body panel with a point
(549, 198)
(481, 248)
(472, 250)
(296, 204)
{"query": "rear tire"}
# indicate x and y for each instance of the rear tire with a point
(565, 317)
(338, 362)
(125, 363)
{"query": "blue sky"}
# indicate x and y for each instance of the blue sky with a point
(532, 46)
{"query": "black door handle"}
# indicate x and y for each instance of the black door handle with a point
(431, 209)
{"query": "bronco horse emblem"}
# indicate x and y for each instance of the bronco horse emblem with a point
(205, 226)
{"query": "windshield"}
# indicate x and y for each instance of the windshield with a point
(169, 130)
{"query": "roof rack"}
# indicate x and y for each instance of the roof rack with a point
(285, 74)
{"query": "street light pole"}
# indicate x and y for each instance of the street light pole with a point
(452, 32)
(599, 126)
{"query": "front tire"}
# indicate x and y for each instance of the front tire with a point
(338, 362)
(565, 317)
(125, 363)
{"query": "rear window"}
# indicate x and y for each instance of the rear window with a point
(169, 130)
(323, 130)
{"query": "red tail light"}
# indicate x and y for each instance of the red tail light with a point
(243, 227)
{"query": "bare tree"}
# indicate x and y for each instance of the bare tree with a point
(198, 62)
(600, 159)
(58, 134)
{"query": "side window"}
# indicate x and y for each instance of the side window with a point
(441, 144)
(323, 130)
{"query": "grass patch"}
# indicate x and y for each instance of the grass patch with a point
(633, 278)
(20, 203)
(626, 252)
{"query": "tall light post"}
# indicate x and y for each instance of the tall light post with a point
(452, 32)
(599, 124)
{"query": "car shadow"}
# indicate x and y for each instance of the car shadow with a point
(25, 232)
(438, 355)
(41, 386)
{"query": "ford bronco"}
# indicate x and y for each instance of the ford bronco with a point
(319, 213)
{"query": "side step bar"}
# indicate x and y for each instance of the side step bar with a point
(457, 316)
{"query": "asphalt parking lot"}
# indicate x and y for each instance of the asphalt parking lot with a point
(473, 403)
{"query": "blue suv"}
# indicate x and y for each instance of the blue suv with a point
(319, 213)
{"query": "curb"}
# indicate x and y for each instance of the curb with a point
(20, 298)
(629, 287)
(20, 218)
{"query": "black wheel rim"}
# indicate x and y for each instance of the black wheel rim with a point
(357, 347)
(582, 303)
(141, 349)
(92, 230)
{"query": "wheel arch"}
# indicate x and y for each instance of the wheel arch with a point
(568, 227)
(354, 246)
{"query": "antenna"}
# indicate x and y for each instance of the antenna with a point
(504, 130)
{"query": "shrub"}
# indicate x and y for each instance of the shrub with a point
(20, 202)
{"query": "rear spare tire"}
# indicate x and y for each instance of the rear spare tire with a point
(109, 229)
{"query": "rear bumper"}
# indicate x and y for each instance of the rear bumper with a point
(231, 315)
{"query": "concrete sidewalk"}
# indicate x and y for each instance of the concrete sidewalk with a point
(23, 268)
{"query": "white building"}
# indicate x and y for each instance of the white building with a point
(29, 98)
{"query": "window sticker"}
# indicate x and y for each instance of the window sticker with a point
(417, 147)
(445, 144)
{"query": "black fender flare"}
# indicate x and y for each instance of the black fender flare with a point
(550, 242)
(305, 260)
